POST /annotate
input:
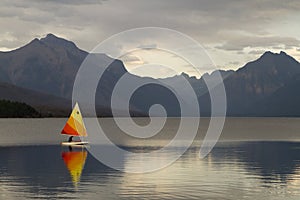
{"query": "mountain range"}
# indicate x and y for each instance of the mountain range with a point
(42, 74)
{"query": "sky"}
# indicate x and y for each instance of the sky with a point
(233, 32)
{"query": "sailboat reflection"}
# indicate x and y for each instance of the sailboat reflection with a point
(75, 161)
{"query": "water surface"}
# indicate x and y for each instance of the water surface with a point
(247, 170)
(256, 158)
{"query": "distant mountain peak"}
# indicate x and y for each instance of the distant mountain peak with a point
(282, 53)
(271, 61)
(270, 53)
(53, 40)
(35, 40)
(49, 35)
(269, 56)
(33, 43)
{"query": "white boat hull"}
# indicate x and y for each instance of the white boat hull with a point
(74, 144)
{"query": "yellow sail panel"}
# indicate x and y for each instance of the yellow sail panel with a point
(75, 125)
(75, 163)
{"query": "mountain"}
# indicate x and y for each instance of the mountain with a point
(47, 65)
(258, 80)
(283, 102)
(42, 74)
(46, 104)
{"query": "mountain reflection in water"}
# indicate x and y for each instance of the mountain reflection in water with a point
(233, 170)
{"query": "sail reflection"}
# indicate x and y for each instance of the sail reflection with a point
(75, 161)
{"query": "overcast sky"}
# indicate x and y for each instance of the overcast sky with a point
(232, 31)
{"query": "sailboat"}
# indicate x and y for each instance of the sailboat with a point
(75, 163)
(74, 127)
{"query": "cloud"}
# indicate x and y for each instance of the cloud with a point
(203, 20)
(234, 63)
(278, 47)
(241, 42)
(230, 26)
(257, 52)
(147, 46)
(130, 59)
(45, 3)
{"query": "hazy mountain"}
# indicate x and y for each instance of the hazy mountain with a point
(258, 80)
(46, 104)
(283, 102)
(47, 65)
(47, 68)
(42, 73)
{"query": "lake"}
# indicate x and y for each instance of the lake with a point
(256, 158)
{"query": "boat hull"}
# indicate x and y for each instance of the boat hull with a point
(74, 144)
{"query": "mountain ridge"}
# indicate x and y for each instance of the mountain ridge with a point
(49, 66)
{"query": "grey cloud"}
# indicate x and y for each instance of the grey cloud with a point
(234, 63)
(202, 20)
(278, 47)
(131, 59)
(241, 42)
(225, 24)
(257, 52)
(75, 2)
(147, 46)
(30, 3)
(6, 12)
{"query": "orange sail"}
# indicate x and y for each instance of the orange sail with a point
(75, 163)
(75, 125)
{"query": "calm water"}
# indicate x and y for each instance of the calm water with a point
(250, 170)
(233, 170)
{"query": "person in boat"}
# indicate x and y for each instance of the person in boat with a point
(70, 139)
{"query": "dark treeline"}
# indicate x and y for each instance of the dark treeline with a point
(12, 109)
